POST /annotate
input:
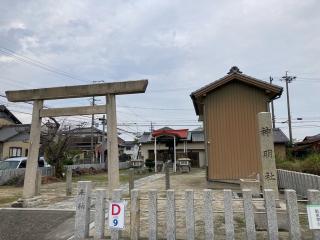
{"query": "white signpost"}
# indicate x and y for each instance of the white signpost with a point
(314, 216)
(116, 215)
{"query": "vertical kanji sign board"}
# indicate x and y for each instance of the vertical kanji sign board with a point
(268, 163)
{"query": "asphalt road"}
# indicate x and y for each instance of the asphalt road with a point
(34, 224)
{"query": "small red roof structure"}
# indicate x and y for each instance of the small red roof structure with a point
(180, 133)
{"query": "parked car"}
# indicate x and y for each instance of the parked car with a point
(20, 162)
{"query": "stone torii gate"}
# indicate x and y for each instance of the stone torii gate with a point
(110, 90)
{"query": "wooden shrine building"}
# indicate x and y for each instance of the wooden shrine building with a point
(228, 108)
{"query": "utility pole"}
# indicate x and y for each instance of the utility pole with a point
(103, 122)
(272, 109)
(288, 79)
(92, 126)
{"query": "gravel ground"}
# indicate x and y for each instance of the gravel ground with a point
(196, 181)
(54, 196)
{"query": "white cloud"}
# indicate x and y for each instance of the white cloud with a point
(175, 44)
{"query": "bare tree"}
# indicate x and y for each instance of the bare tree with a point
(56, 146)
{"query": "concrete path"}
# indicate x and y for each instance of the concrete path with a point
(31, 224)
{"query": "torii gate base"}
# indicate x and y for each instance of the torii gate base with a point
(110, 90)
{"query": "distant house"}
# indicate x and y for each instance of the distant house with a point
(280, 143)
(192, 146)
(131, 148)
(81, 141)
(308, 145)
(7, 117)
(14, 136)
(228, 108)
(14, 141)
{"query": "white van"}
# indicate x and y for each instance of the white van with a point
(20, 162)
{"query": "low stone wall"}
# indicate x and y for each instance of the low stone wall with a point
(300, 182)
(188, 215)
(5, 175)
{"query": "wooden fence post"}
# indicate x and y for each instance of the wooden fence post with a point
(69, 182)
(208, 214)
(228, 213)
(135, 215)
(167, 176)
(100, 208)
(272, 223)
(293, 214)
(248, 214)
(152, 209)
(171, 215)
(190, 227)
(131, 179)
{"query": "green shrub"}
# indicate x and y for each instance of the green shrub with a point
(311, 164)
(292, 165)
(67, 162)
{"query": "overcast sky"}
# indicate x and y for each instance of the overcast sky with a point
(178, 45)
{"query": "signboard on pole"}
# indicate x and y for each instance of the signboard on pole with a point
(116, 215)
(314, 216)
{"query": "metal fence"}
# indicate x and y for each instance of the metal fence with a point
(89, 165)
(7, 174)
(298, 181)
(169, 215)
(122, 165)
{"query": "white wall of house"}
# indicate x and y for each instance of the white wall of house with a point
(133, 151)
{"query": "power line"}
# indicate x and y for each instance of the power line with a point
(171, 90)
(147, 125)
(162, 109)
(37, 63)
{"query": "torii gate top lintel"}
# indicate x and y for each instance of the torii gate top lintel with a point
(78, 91)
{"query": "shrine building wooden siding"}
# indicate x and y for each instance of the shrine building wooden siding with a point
(229, 114)
(230, 120)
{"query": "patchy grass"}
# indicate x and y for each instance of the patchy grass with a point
(239, 220)
(9, 194)
(9, 199)
(100, 177)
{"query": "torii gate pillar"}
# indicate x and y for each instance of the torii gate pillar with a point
(112, 143)
(29, 188)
